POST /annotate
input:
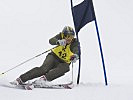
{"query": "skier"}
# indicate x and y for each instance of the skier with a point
(57, 62)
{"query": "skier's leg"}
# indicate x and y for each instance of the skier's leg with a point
(39, 71)
(60, 70)
(54, 73)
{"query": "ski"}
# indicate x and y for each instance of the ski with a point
(56, 86)
(31, 86)
(25, 86)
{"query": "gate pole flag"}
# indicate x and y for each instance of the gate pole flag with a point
(84, 13)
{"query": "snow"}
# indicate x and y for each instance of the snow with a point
(26, 26)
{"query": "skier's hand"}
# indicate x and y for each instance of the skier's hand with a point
(74, 58)
(61, 42)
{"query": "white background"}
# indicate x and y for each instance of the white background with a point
(27, 25)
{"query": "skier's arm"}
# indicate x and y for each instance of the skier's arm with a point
(74, 47)
(53, 41)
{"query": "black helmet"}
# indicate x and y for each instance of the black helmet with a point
(67, 30)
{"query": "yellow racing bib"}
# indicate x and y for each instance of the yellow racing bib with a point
(63, 52)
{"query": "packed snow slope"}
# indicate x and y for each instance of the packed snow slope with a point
(26, 27)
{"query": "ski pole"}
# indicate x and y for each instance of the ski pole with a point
(26, 61)
(72, 72)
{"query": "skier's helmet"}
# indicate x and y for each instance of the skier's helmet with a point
(67, 30)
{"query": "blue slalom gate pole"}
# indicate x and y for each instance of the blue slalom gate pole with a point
(78, 77)
(100, 46)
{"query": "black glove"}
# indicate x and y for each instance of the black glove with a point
(74, 58)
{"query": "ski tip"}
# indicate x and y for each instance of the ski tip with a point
(69, 86)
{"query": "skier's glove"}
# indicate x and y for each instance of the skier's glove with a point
(61, 42)
(74, 58)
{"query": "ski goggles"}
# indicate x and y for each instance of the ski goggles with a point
(69, 36)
